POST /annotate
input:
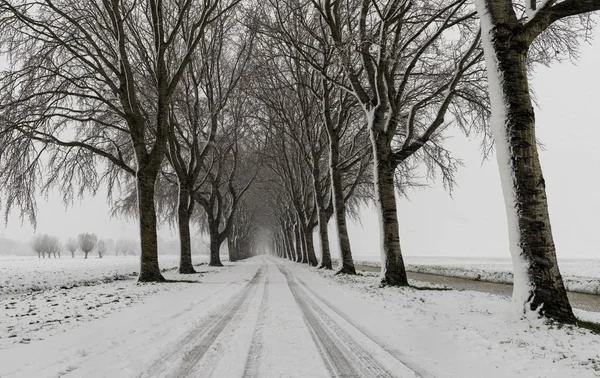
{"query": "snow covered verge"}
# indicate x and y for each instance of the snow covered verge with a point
(29, 274)
(582, 276)
(126, 342)
(39, 298)
(459, 333)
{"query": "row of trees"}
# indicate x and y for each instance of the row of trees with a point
(48, 245)
(411, 69)
(147, 99)
(266, 120)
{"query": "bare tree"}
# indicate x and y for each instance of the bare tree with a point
(125, 247)
(408, 64)
(71, 246)
(87, 242)
(516, 34)
(38, 244)
(46, 244)
(205, 91)
(101, 248)
(105, 73)
(231, 174)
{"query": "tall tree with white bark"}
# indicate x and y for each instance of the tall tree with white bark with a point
(515, 34)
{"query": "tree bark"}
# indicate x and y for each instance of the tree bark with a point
(185, 240)
(298, 247)
(346, 264)
(523, 183)
(233, 256)
(215, 247)
(303, 245)
(324, 239)
(310, 248)
(86, 255)
(393, 271)
(149, 269)
(289, 244)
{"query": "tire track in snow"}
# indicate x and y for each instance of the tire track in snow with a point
(341, 354)
(217, 326)
(252, 367)
(399, 356)
(207, 332)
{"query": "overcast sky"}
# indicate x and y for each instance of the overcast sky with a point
(473, 221)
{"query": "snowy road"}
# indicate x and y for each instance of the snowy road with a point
(300, 331)
(259, 321)
(265, 317)
(587, 302)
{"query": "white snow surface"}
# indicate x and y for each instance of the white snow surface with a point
(409, 332)
(20, 274)
(521, 282)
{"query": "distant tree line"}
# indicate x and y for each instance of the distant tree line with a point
(50, 246)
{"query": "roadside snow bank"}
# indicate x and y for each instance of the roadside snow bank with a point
(34, 316)
(580, 276)
(458, 333)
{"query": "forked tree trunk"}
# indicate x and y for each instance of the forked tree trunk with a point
(513, 123)
(324, 239)
(185, 240)
(346, 264)
(149, 269)
(393, 271)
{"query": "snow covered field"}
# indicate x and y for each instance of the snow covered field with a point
(39, 298)
(268, 318)
(28, 274)
(579, 275)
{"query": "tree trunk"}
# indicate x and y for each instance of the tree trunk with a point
(73, 254)
(324, 239)
(289, 244)
(185, 239)
(215, 247)
(303, 246)
(538, 282)
(298, 248)
(86, 255)
(149, 269)
(346, 264)
(233, 256)
(310, 248)
(393, 271)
